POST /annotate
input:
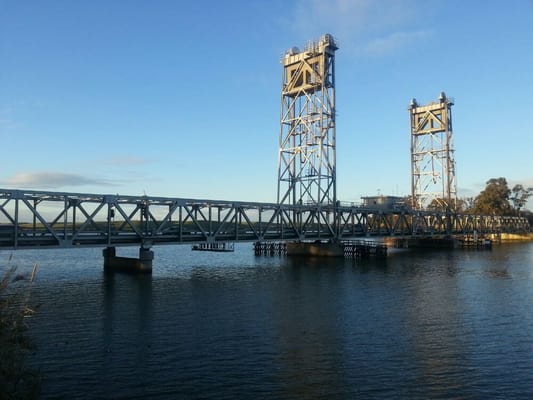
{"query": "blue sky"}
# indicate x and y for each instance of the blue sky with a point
(182, 99)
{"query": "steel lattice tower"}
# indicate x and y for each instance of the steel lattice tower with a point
(432, 154)
(306, 166)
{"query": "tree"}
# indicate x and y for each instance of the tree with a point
(494, 200)
(520, 196)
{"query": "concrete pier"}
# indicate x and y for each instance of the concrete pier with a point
(143, 264)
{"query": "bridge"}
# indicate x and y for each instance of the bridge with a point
(40, 219)
(307, 210)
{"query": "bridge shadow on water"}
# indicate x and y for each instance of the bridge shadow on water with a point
(360, 263)
(127, 328)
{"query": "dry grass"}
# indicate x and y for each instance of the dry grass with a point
(17, 380)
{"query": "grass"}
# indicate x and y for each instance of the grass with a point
(17, 380)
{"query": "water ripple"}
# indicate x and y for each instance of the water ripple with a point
(431, 325)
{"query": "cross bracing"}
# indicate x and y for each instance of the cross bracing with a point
(306, 165)
(37, 219)
(432, 154)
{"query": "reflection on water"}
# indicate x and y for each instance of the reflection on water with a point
(453, 325)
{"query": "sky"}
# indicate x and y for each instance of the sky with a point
(182, 98)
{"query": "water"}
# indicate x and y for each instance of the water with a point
(439, 325)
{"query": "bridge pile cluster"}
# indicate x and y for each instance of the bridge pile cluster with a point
(363, 248)
(270, 248)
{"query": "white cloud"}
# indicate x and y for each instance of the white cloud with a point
(51, 180)
(364, 26)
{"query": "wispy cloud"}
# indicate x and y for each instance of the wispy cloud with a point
(394, 41)
(126, 161)
(5, 123)
(51, 180)
(465, 192)
(526, 182)
(365, 27)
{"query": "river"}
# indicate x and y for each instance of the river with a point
(430, 325)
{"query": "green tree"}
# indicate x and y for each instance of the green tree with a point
(494, 200)
(520, 196)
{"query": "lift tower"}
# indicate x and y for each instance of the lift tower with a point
(432, 154)
(306, 165)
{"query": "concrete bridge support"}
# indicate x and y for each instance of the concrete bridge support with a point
(143, 264)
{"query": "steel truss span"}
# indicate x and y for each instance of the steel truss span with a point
(33, 219)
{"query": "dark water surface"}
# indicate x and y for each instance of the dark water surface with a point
(434, 325)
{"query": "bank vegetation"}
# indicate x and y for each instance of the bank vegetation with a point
(496, 199)
(17, 379)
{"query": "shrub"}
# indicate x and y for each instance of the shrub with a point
(17, 380)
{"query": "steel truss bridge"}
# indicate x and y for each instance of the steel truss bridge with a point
(39, 219)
